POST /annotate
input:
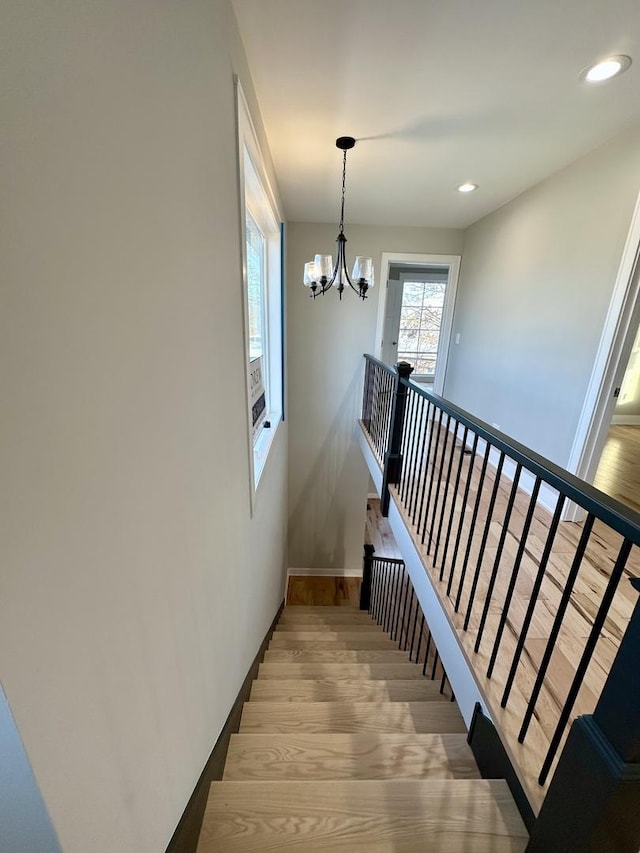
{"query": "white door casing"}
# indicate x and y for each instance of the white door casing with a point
(611, 360)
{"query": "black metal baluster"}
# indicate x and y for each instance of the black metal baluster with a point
(394, 635)
(585, 660)
(420, 635)
(463, 509)
(456, 486)
(408, 440)
(472, 527)
(444, 500)
(524, 630)
(365, 394)
(483, 543)
(443, 682)
(443, 451)
(384, 413)
(388, 605)
(375, 598)
(393, 601)
(436, 661)
(514, 575)
(433, 472)
(421, 473)
(417, 461)
(375, 402)
(426, 652)
(384, 597)
(383, 594)
(557, 624)
(496, 562)
(404, 609)
(431, 415)
(413, 633)
(391, 389)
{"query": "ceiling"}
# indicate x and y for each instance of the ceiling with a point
(437, 92)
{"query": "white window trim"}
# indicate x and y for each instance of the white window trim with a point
(256, 194)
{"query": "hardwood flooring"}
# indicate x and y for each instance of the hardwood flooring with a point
(314, 591)
(378, 532)
(618, 473)
(471, 564)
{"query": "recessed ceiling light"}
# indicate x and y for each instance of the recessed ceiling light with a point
(467, 187)
(606, 69)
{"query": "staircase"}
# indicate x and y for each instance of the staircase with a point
(345, 746)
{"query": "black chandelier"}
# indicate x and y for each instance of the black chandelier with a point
(320, 274)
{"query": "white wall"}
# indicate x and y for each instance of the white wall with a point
(536, 280)
(135, 586)
(328, 480)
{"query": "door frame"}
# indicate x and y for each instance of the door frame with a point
(618, 334)
(416, 259)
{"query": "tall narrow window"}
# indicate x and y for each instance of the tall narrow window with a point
(262, 292)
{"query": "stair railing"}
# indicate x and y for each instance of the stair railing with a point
(447, 471)
(388, 595)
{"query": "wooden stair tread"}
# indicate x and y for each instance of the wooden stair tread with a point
(436, 717)
(328, 628)
(324, 614)
(341, 671)
(394, 816)
(328, 621)
(322, 608)
(335, 656)
(349, 756)
(341, 690)
(376, 642)
(330, 636)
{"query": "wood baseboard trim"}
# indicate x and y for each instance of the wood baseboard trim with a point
(186, 835)
(325, 573)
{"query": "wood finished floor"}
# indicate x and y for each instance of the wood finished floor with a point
(321, 591)
(594, 573)
(618, 473)
(361, 758)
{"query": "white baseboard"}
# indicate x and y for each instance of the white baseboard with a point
(626, 420)
(373, 496)
(344, 572)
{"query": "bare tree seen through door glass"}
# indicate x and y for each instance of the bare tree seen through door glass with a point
(420, 321)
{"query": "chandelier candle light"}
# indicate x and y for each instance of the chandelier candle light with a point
(320, 274)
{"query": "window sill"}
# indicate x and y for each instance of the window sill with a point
(263, 445)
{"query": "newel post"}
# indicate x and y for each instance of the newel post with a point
(367, 574)
(393, 457)
(593, 801)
